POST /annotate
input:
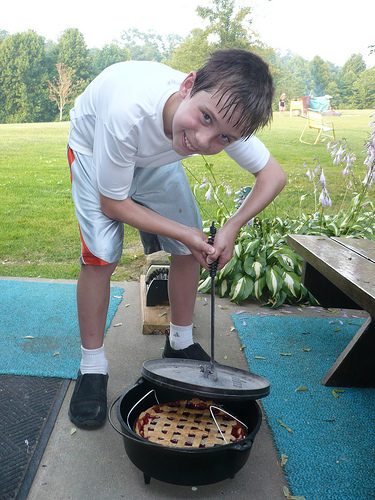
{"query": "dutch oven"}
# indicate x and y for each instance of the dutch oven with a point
(183, 466)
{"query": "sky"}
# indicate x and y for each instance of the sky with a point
(332, 29)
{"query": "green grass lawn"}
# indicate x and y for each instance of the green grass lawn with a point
(38, 231)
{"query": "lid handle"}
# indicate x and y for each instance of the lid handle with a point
(210, 370)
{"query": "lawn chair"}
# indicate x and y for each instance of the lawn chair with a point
(296, 106)
(315, 121)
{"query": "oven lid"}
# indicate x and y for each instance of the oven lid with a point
(205, 379)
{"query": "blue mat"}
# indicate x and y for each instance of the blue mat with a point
(328, 436)
(39, 332)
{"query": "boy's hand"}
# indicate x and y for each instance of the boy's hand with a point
(223, 246)
(198, 244)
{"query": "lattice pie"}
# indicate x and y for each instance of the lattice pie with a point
(188, 424)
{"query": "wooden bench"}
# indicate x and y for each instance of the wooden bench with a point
(340, 272)
(315, 121)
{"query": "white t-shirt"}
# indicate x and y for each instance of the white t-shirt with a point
(118, 120)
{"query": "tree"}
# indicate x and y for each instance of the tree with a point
(28, 64)
(3, 35)
(320, 73)
(333, 90)
(149, 46)
(108, 55)
(171, 44)
(192, 52)
(72, 52)
(364, 90)
(229, 26)
(355, 63)
(61, 89)
(23, 78)
(300, 69)
(350, 72)
(143, 46)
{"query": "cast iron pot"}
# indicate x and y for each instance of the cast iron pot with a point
(183, 466)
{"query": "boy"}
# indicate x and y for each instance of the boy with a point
(129, 130)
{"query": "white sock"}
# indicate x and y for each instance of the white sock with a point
(93, 361)
(181, 337)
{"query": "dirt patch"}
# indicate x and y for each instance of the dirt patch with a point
(132, 264)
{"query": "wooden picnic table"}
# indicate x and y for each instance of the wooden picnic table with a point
(340, 272)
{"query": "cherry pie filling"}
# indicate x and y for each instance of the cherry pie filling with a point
(188, 424)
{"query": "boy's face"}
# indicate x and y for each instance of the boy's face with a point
(198, 126)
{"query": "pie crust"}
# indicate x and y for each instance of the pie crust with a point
(188, 424)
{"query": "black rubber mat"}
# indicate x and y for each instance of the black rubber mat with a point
(28, 410)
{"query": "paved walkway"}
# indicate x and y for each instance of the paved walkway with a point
(93, 465)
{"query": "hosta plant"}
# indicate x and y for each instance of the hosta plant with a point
(263, 267)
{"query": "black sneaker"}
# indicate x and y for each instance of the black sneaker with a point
(88, 406)
(194, 351)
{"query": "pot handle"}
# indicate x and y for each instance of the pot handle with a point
(242, 445)
(115, 401)
(111, 408)
(110, 418)
(127, 436)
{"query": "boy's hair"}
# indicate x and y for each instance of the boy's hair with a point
(246, 85)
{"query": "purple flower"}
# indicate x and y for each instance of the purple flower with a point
(369, 179)
(204, 183)
(345, 171)
(322, 179)
(339, 154)
(371, 156)
(208, 194)
(310, 174)
(324, 198)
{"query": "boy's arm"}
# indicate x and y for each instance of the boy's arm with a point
(142, 218)
(270, 180)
